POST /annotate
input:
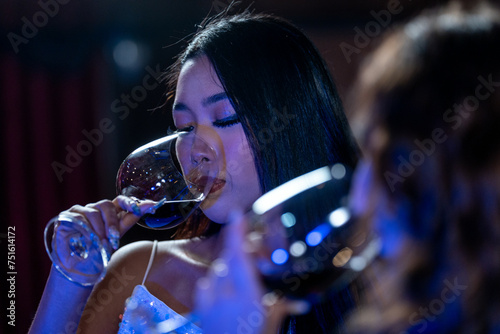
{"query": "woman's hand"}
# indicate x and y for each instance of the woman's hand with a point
(108, 220)
(231, 298)
(111, 219)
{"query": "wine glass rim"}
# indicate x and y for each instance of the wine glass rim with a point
(159, 141)
(291, 188)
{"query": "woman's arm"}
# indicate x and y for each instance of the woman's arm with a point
(61, 305)
(66, 306)
(63, 301)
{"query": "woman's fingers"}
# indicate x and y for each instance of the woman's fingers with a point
(136, 206)
(131, 209)
(109, 215)
(92, 216)
(111, 219)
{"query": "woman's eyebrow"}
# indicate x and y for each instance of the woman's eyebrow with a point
(179, 106)
(214, 99)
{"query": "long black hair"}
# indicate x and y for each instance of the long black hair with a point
(282, 92)
(289, 108)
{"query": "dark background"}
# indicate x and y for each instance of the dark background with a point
(67, 66)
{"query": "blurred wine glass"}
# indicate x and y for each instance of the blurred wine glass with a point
(307, 242)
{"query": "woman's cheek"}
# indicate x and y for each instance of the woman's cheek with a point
(242, 158)
(234, 167)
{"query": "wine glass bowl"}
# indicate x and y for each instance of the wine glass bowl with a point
(153, 172)
(308, 244)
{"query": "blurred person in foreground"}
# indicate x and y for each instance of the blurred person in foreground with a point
(428, 118)
(427, 113)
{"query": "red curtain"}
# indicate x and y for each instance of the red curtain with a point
(43, 116)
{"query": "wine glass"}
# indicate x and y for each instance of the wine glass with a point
(307, 242)
(152, 172)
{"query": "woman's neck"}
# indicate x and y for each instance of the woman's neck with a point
(205, 249)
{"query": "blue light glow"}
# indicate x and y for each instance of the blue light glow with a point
(279, 256)
(126, 54)
(313, 238)
(288, 219)
(317, 235)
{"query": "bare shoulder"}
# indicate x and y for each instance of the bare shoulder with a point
(106, 303)
(128, 265)
(132, 254)
(177, 267)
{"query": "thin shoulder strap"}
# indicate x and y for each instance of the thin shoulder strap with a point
(151, 258)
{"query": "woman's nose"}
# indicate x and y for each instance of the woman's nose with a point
(202, 152)
(198, 157)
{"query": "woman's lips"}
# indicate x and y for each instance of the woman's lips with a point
(203, 181)
(217, 185)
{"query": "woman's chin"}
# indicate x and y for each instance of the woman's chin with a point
(217, 218)
(218, 209)
(216, 213)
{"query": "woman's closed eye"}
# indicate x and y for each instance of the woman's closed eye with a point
(187, 128)
(227, 121)
(180, 128)
(219, 123)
